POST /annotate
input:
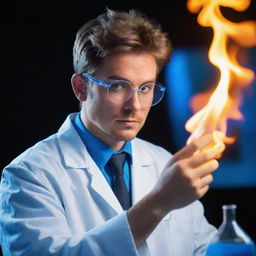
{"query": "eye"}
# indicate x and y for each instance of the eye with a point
(147, 88)
(118, 86)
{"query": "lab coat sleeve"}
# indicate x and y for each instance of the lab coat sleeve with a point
(33, 222)
(203, 230)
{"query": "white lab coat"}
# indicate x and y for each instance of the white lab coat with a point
(55, 201)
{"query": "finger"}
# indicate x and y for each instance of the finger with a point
(217, 142)
(193, 147)
(203, 191)
(212, 152)
(219, 155)
(206, 168)
(206, 180)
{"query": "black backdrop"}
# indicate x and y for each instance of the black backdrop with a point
(36, 66)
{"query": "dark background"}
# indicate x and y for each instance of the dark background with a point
(36, 67)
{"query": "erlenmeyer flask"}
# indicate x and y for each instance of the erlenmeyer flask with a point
(231, 239)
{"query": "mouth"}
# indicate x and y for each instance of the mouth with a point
(128, 122)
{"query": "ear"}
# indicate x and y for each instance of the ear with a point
(79, 87)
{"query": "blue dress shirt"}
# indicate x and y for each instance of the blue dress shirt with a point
(101, 152)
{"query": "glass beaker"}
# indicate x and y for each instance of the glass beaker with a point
(231, 239)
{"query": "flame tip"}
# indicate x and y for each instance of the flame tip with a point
(224, 102)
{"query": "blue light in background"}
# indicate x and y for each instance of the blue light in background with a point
(190, 72)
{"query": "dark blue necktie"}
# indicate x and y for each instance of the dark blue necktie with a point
(116, 164)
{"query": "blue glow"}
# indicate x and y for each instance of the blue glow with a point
(178, 96)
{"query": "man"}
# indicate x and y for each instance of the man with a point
(64, 196)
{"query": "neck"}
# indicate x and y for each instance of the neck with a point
(117, 146)
(113, 143)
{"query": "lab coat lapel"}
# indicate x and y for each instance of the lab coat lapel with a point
(101, 186)
(143, 176)
(75, 155)
(143, 179)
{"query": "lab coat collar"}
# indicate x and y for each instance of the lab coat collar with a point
(75, 154)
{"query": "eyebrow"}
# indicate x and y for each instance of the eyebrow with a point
(115, 77)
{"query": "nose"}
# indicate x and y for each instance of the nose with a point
(133, 103)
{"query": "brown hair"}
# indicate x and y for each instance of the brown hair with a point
(118, 31)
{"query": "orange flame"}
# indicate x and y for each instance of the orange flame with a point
(223, 103)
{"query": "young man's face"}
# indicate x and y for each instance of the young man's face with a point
(115, 123)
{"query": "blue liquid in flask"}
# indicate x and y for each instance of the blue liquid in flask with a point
(231, 249)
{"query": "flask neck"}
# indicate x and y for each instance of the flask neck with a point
(229, 231)
(229, 213)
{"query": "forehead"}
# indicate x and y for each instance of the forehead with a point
(131, 66)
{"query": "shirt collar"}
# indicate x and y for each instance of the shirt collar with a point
(99, 151)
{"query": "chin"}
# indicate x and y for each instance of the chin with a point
(126, 136)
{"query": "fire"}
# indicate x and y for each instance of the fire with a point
(228, 39)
